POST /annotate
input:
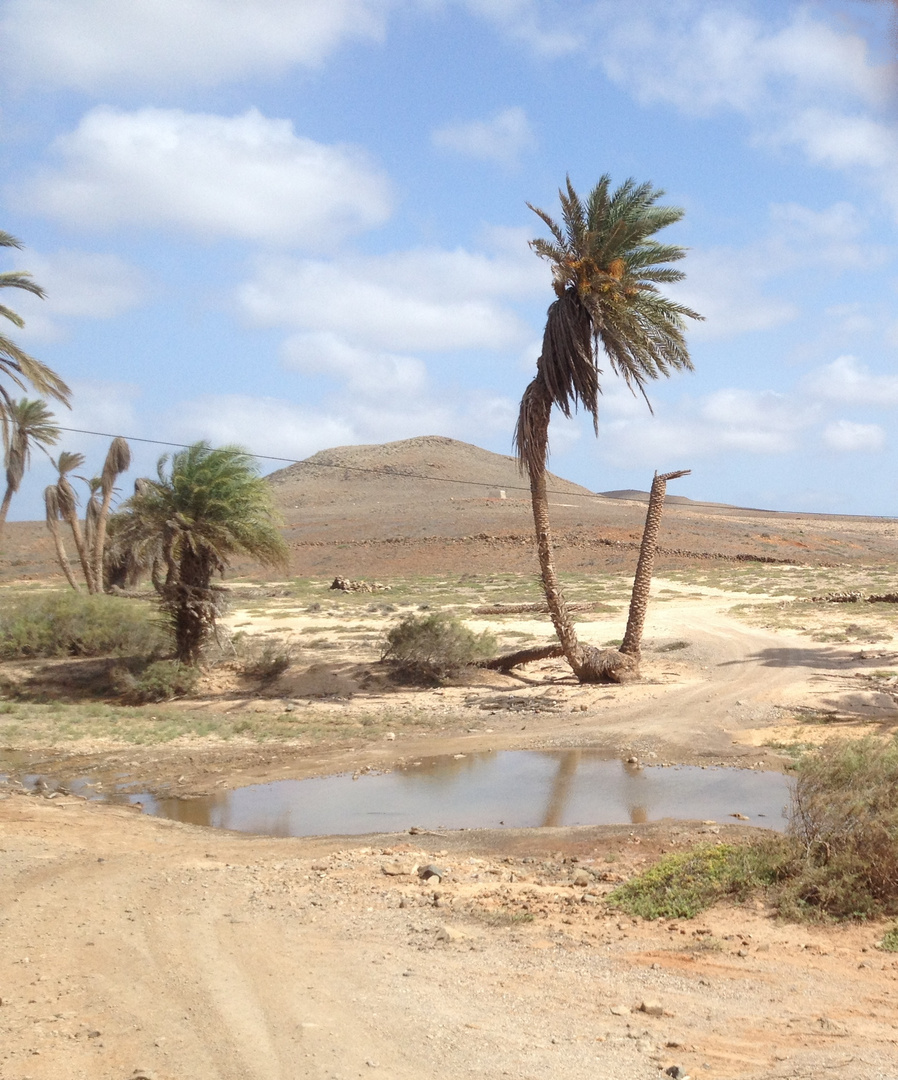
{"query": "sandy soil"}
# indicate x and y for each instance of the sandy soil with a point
(135, 947)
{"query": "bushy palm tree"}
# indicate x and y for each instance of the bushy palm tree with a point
(206, 506)
(15, 363)
(30, 424)
(606, 269)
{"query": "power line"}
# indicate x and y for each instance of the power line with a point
(330, 465)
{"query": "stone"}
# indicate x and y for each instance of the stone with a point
(619, 1010)
(676, 1072)
(651, 1008)
(581, 878)
(427, 873)
(398, 869)
(451, 934)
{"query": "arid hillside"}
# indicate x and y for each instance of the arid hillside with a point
(434, 505)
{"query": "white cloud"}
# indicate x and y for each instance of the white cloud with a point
(264, 425)
(502, 138)
(244, 176)
(702, 60)
(549, 28)
(424, 300)
(78, 284)
(848, 436)
(375, 375)
(88, 44)
(846, 380)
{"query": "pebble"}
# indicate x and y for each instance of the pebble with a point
(425, 873)
(451, 934)
(651, 1008)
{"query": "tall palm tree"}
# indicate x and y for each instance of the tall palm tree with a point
(206, 506)
(15, 363)
(30, 424)
(606, 269)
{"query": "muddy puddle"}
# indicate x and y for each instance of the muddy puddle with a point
(513, 789)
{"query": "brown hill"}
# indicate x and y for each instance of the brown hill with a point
(436, 505)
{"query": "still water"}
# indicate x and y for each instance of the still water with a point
(522, 788)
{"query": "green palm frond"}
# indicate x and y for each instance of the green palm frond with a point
(606, 268)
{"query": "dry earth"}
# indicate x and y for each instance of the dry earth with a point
(136, 947)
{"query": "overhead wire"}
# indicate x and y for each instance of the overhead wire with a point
(334, 465)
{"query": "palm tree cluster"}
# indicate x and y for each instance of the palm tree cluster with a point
(205, 506)
(89, 536)
(607, 267)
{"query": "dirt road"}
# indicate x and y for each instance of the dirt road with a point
(134, 947)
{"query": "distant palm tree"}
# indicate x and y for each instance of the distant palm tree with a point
(53, 517)
(206, 506)
(606, 269)
(66, 502)
(14, 362)
(118, 460)
(30, 424)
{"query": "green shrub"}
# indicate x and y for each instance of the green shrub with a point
(159, 681)
(680, 886)
(844, 819)
(76, 624)
(435, 646)
(889, 940)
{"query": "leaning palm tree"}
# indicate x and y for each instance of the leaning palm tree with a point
(15, 363)
(67, 502)
(606, 269)
(206, 506)
(30, 424)
(53, 517)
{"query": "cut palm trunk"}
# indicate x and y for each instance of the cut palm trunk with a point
(642, 582)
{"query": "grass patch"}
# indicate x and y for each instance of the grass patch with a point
(889, 940)
(683, 885)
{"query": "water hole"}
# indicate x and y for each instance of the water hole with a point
(512, 789)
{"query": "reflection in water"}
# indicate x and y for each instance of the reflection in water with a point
(513, 788)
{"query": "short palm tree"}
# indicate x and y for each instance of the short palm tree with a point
(23, 369)
(118, 460)
(30, 424)
(606, 269)
(206, 506)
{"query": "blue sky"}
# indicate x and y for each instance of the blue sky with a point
(297, 224)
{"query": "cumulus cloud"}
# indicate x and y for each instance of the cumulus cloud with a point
(501, 138)
(548, 28)
(847, 380)
(89, 44)
(78, 284)
(848, 436)
(244, 176)
(429, 299)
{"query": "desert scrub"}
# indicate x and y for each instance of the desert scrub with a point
(262, 660)
(162, 680)
(844, 821)
(75, 624)
(683, 885)
(435, 646)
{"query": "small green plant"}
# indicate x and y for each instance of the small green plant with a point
(435, 646)
(159, 681)
(74, 624)
(682, 885)
(889, 940)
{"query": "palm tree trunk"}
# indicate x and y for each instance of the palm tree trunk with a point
(4, 506)
(642, 581)
(83, 556)
(100, 539)
(61, 555)
(589, 664)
